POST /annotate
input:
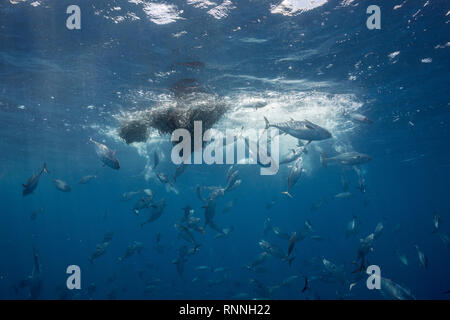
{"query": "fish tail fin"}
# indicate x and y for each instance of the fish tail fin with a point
(287, 193)
(45, 169)
(305, 287)
(90, 140)
(323, 159)
(267, 123)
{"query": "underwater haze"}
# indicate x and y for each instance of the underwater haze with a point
(87, 108)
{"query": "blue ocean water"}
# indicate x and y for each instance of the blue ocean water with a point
(313, 60)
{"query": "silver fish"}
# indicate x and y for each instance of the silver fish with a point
(33, 181)
(436, 222)
(343, 195)
(129, 195)
(34, 281)
(294, 175)
(254, 104)
(352, 227)
(391, 290)
(87, 178)
(303, 130)
(360, 118)
(347, 159)
(164, 178)
(422, 258)
(62, 185)
(179, 171)
(142, 203)
(107, 156)
(293, 154)
(157, 210)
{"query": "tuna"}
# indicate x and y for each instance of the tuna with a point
(32, 182)
(62, 185)
(347, 159)
(106, 155)
(294, 175)
(303, 130)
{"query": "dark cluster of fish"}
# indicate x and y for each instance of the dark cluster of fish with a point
(192, 103)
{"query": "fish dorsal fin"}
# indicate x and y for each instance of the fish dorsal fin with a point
(292, 119)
